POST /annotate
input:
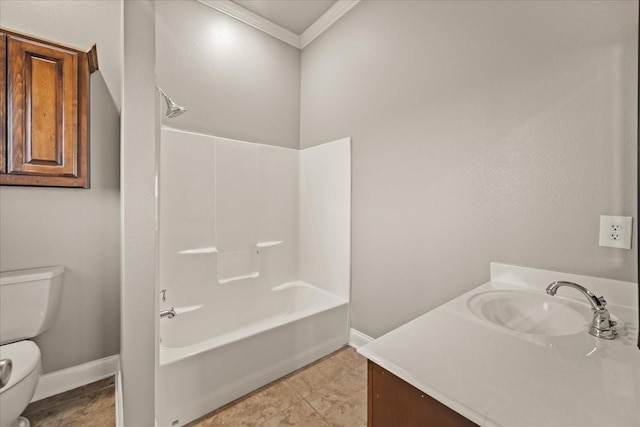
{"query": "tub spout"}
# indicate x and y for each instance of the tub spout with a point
(171, 313)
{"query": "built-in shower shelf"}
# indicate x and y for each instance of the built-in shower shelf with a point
(245, 276)
(269, 244)
(213, 249)
(207, 250)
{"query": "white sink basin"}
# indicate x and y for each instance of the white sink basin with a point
(531, 313)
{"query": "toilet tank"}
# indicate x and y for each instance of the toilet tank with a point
(29, 301)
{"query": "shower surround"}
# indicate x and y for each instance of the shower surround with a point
(255, 260)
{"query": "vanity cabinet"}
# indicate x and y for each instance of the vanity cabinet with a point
(393, 402)
(44, 123)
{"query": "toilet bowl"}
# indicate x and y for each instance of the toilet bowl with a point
(29, 300)
(25, 372)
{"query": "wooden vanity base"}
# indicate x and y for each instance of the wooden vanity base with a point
(393, 402)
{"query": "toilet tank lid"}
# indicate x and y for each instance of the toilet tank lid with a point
(32, 274)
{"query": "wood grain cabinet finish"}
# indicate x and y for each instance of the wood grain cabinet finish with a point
(45, 118)
(393, 402)
(3, 103)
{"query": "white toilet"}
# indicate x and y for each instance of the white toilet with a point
(29, 301)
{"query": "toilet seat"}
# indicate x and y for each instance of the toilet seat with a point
(25, 358)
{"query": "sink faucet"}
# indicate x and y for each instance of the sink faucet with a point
(602, 326)
(171, 313)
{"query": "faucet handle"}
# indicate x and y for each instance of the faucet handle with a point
(602, 326)
(602, 301)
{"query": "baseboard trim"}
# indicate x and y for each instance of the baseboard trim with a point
(76, 376)
(358, 339)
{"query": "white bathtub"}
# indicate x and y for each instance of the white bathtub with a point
(214, 353)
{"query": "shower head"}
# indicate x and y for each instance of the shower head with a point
(173, 109)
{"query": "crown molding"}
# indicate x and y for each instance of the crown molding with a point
(334, 13)
(258, 22)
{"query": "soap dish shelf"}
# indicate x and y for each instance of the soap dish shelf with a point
(214, 250)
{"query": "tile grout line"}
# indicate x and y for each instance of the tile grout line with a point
(316, 411)
(278, 413)
(342, 364)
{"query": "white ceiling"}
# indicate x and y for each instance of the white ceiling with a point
(294, 15)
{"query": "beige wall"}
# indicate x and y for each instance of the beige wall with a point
(76, 228)
(482, 131)
(235, 81)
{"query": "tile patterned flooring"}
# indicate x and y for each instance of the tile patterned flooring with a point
(329, 392)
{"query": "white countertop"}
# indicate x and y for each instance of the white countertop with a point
(497, 377)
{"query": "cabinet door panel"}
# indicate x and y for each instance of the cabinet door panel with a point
(43, 135)
(43, 93)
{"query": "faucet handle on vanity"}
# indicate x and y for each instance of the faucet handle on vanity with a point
(602, 326)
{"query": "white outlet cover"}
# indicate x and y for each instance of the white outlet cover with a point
(621, 225)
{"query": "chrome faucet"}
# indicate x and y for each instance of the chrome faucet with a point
(171, 313)
(601, 326)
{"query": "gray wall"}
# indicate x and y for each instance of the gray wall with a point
(482, 131)
(235, 81)
(140, 133)
(76, 228)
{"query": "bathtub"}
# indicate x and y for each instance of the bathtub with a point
(212, 354)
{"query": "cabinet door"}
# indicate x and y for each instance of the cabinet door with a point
(42, 91)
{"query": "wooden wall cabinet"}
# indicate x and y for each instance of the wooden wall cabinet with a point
(394, 402)
(44, 123)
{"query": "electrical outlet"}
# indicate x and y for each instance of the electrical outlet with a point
(615, 231)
